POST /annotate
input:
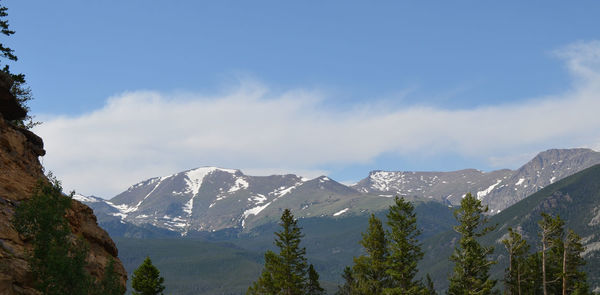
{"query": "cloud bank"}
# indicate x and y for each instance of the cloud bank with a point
(143, 134)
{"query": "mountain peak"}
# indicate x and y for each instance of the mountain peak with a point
(561, 153)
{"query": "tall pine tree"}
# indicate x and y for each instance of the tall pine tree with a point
(313, 287)
(517, 249)
(369, 271)
(574, 281)
(14, 82)
(471, 269)
(404, 249)
(284, 273)
(551, 235)
(349, 283)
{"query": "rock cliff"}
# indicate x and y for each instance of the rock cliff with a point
(20, 169)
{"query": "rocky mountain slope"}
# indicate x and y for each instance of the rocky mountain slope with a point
(212, 199)
(499, 189)
(20, 170)
(576, 199)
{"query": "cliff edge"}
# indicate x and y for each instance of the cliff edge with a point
(20, 170)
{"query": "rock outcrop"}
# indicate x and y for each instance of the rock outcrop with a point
(20, 170)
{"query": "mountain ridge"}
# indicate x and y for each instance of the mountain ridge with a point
(212, 198)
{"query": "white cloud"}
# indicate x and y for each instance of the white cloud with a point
(142, 134)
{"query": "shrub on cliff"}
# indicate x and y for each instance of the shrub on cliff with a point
(57, 259)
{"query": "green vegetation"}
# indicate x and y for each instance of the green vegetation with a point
(193, 267)
(404, 249)
(555, 269)
(471, 269)
(14, 82)
(57, 258)
(369, 270)
(110, 285)
(313, 287)
(146, 279)
(202, 267)
(389, 265)
(287, 272)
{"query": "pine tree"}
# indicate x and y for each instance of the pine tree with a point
(4, 29)
(146, 279)
(471, 269)
(551, 236)
(284, 273)
(313, 287)
(369, 270)
(349, 283)
(14, 82)
(404, 249)
(517, 249)
(57, 259)
(429, 287)
(574, 281)
(266, 283)
(110, 283)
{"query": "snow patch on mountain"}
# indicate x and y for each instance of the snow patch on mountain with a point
(483, 193)
(253, 211)
(521, 180)
(341, 212)
(382, 179)
(282, 190)
(238, 185)
(194, 179)
(124, 209)
(387, 196)
(258, 199)
(82, 198)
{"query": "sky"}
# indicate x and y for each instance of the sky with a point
(129, 90)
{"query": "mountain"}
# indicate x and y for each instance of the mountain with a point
(575, 198)
(498, 189)
(210, 199)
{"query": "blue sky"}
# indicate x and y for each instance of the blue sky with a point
(126, 88)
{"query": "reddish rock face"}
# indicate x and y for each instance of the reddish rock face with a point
(20, 170)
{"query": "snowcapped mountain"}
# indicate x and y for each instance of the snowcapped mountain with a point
(499, 189)
(212, 199)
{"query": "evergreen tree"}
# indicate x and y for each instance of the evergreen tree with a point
(266, 283)
(471, 269)
(574, 281)
(313, 287)
(14, 82)
(517, 249)
(4, 29)
(285, 273)
(348, 287)
(369, 270)
(146, 279)
(429, 287)
(551, 235)
(110, 283)
(404, 249)
(57, 259)
(292, 270)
